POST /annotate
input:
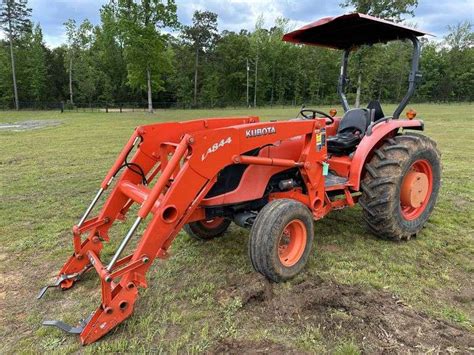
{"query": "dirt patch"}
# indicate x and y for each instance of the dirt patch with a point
(250, 347)
(28, 125)
(465, 296)
(256, 291)
(377, 320)
(10, 289)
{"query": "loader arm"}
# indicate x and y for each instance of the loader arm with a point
(155, 143)
(197, 151)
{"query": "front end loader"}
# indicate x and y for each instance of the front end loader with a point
(274, 178)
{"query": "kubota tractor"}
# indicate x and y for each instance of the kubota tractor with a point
(273, 177)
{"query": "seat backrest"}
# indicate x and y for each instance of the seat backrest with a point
(356, 119)
(375, 105)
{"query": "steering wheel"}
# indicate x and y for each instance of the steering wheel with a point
(305, 111)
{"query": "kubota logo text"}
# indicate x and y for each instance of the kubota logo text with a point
(257, 132)
(215, 147)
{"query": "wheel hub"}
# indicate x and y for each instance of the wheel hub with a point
(292, 243)
(213, 223)
(414, 189)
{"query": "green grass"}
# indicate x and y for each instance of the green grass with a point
(48, 177)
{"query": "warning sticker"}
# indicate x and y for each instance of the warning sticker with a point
(319, 138)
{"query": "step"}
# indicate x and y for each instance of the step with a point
(334, 180)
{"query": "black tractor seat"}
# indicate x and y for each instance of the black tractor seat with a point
(351, 130)
(343, 143)
(353, 127)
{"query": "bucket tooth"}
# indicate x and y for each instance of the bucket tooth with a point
(63, 326)
(57, 283)
(66, 327)
(64, 277)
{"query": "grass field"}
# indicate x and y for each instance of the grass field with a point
(358, 294)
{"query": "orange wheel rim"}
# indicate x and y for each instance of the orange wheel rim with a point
(292, 243)
(212, 223)
(416, 189)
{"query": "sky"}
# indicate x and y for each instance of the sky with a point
(432, 16)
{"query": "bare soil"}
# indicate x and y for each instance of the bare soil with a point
(251, 347)
(377, 320)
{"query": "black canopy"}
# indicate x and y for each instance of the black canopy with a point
(348, 31)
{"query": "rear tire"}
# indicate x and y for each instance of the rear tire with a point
(400, 187)
(207, 230)
(281, 239)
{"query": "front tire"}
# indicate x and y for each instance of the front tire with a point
(207, 230)
(401, 186)
(281, 239)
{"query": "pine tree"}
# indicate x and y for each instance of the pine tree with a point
(37, 68)
(72, 49)
(6, 93)
(202, 35)
(257, 42)
(14, 20)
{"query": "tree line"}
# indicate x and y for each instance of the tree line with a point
(141, 53)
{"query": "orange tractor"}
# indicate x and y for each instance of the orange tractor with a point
(273, 177)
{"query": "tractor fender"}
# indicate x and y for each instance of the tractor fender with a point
(370, 142)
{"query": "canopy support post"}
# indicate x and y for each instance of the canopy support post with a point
(343, 80)
(414, 76)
